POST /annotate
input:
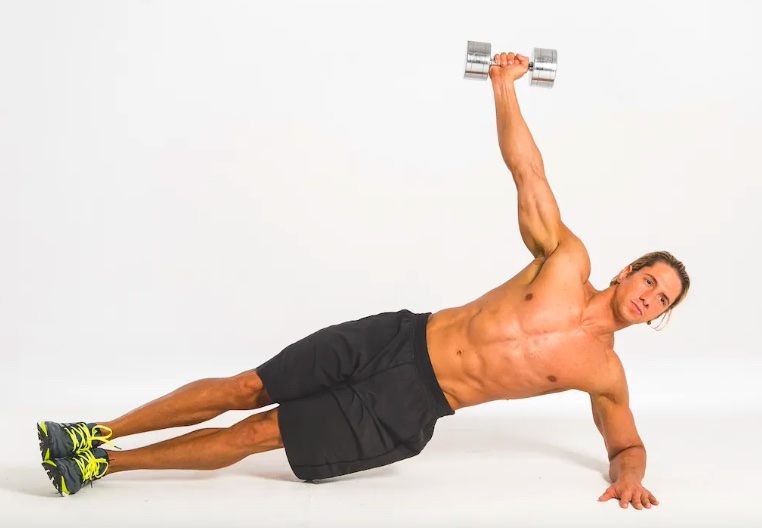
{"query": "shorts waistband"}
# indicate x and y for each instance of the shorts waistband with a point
(423, 361)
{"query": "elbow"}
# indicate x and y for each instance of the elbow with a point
(616, 452)
(526, 168)
(598, 424)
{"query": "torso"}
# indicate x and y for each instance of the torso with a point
(524, 338)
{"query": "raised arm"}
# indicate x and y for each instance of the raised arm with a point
(626, 453)
(539, 217)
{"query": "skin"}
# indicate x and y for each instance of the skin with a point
(545, 330)
(548, 329)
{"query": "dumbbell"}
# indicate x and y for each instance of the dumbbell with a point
(542, 64)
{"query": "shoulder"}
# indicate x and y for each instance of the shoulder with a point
(571, 253)
(611, 381)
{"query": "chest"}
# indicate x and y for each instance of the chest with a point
(543, 310)
(563, 351)
(539, 322)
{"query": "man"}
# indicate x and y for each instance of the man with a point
(366, 393)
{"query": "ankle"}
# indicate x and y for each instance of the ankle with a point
(105, 429)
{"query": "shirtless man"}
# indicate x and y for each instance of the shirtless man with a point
(366, 393)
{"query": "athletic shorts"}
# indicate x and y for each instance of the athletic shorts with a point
(356, 395)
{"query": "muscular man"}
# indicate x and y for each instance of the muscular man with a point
(368, 392)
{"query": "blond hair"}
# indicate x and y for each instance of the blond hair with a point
(649, 259)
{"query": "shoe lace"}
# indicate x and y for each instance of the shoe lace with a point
(82, 436)
(91, 468)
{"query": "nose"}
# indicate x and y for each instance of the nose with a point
(645, 302)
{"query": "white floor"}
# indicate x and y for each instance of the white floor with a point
(188, 187)
(527, 463)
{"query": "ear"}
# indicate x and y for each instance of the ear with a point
(623, 274)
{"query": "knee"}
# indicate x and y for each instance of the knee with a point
(258, 433)
(249, 391)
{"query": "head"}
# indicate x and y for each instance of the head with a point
(651, 286)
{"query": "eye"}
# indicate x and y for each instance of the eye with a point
(648, 281)
(663, 301)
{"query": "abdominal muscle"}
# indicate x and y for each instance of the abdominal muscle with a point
(499, 347)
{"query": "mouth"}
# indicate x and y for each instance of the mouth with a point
(640, 312)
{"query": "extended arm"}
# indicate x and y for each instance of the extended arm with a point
(539, 217)
(517, 145)
(626, 453)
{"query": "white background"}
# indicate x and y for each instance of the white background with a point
(188, 187)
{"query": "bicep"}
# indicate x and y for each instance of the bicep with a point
(617, 426)
(614, 418)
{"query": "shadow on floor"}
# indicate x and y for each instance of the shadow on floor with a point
(27, 480)
(468, 434)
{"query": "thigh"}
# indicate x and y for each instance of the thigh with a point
(318, 438)
(400, 404)
(359, 426)
(337, 355)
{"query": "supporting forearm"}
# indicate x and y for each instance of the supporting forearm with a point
(517, 145)
(630, 462)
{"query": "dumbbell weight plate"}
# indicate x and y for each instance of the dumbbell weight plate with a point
(478, 60)
(542, 66)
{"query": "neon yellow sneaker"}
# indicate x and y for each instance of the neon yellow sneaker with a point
(59, 440)
(69, 474)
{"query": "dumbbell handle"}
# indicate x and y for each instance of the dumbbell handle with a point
(493, 63)
(479, 60)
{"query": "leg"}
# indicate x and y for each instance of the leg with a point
(194, 403)
(204, 448)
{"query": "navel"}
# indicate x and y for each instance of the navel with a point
(528, 297)
(460, 352)
(552, 379)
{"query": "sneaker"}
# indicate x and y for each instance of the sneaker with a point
(69, 474)
(60, 440)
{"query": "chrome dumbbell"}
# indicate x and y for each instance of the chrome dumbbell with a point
(542, 64)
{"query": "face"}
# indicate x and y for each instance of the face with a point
(647, 293)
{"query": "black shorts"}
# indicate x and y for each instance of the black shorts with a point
(356, 395)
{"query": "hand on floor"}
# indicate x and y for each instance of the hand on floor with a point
(629, 490)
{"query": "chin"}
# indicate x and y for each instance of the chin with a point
(631, 315)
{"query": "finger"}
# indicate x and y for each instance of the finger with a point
(652, 499)
(607, 495)
(645, 501)
(637, 502)
(625, 499)
(511, 57)
(503, 59)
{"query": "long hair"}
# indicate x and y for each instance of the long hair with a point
(649, 259)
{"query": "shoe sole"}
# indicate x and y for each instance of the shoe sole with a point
(42, 435)
(54, 474)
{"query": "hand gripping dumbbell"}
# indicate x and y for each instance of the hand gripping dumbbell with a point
(542, 64)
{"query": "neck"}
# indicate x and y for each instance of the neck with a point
(599, 316)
